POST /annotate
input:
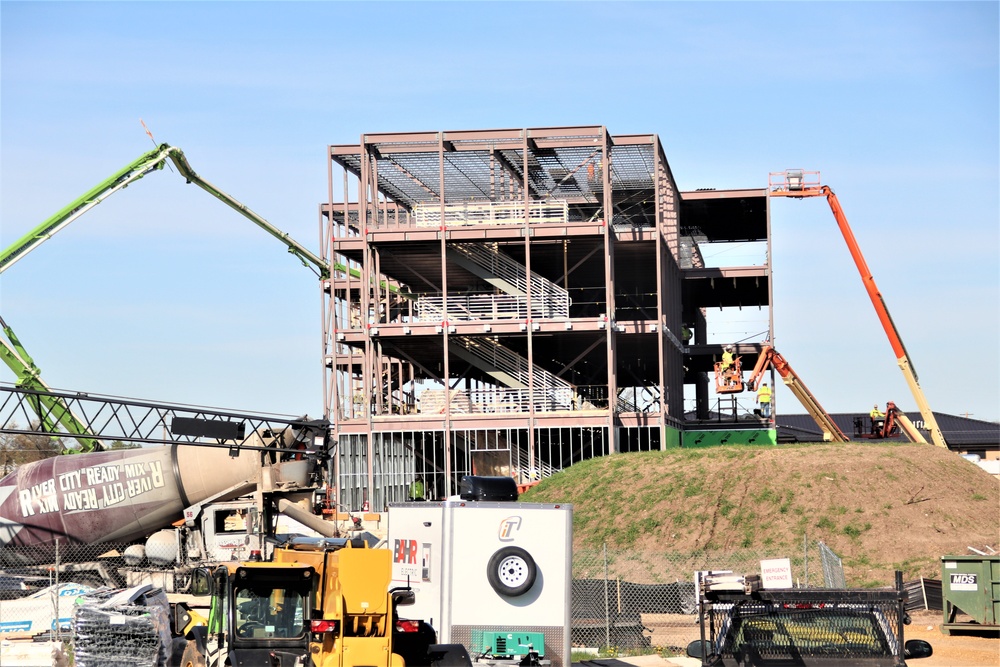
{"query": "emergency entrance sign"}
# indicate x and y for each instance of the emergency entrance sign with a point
(776, 573)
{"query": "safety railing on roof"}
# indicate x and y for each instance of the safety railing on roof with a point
(490, 213)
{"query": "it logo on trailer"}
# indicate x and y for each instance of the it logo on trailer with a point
(508, 527)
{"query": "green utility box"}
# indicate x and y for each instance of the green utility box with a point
(970, 585)
(508, 644)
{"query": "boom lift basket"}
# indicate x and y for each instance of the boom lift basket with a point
(729, 381)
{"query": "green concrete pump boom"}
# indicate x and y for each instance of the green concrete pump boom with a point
(14, 354)
(50, 409)
(53, 410)
(45, 231)
(294, 247)
(151, 161)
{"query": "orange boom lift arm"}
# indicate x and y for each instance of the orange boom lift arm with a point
(769, 357)
(799, 184)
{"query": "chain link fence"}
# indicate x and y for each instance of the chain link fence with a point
(833, 567)
(632, 601)
(622, 600)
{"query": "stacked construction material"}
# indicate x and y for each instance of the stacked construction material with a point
(122, 628)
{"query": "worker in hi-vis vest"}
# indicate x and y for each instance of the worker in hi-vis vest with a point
(878, 419)
(764, 398)
(417, 488)
(727, 358)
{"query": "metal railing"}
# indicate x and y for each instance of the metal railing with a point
(477, 307)
(490, 213)
(502, 266)
(504, 400)
(506, 361)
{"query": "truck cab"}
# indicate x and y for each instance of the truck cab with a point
(744, 625)
(230, 531)
(319, 603)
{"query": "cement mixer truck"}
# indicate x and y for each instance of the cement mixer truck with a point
(153, 514)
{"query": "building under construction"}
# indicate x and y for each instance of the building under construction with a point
(511, 302)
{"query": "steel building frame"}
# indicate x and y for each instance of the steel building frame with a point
(499, 320)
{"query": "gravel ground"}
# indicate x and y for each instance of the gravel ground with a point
(965, 650)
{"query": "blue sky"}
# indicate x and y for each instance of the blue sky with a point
(163, 293)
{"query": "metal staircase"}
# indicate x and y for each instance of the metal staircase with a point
(511, 370)
(548, 300)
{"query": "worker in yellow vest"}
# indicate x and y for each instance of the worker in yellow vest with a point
(878, 419)
(764, 399)
(727, 358)
(417, 488)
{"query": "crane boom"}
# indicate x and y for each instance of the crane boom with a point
(798, 184)
(294, 247)
(769, 357)
(13, 353)
(43, 232)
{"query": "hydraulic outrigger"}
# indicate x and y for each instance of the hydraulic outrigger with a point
(798, 184)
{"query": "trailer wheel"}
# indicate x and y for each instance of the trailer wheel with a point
(511, 571)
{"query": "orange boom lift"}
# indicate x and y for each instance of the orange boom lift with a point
(799, 184)
(769, 357)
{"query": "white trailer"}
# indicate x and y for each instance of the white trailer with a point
(488, 574)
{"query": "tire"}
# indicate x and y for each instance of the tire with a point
(511, 571)
(449, 655)
(192, 656)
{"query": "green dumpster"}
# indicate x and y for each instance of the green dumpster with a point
(970, 593)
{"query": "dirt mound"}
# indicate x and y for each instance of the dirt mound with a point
(880, 506)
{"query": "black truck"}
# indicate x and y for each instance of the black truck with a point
(816, 627)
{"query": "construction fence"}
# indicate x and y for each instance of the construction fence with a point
(622, 600)
(635, 601)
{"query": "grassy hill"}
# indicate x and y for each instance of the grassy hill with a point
(880, 506)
